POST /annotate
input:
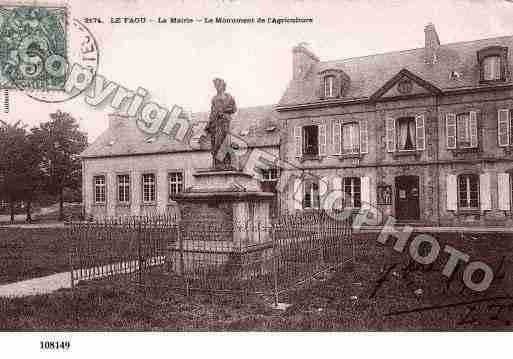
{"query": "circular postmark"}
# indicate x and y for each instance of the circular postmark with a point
(39, 49)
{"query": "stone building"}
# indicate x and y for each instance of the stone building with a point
(423, 135)
(128, 172)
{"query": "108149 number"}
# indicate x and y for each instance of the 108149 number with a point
(54, 345)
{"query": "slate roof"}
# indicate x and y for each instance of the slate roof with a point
(369, 73)
(257, 126)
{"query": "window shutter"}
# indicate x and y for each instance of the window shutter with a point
(503, 127)
(452, 193)
(364, 134)
(484, 192)
(473, 129)
(420, 132)
(337, 139)
(322, 140)
(503, 190)
(366, 191)
(298, 138)
(450, 126)
(390, 134)
(298, 194)
(323, 190)
(337, 188)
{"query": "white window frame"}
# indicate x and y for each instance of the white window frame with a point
(303, 144)
(179, 183)
(329, 86)
(467, 194)
(497, 66)
(352, 185)
(152, 185)
(267, 175)
(126, 188)
(398, 130)
(100, 186)
(354, 137)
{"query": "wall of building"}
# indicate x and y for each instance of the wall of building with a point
(136, 166)
(160, 165)
(431, 165)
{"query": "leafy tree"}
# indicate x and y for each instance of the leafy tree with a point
(19, 166)
(60, 142)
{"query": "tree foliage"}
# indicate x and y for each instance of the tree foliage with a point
(45, 158)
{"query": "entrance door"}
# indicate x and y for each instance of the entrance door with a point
(407, 198)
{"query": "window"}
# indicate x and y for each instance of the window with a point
(468, 191)
(175, 182)
(493, 64)
(123, 188)
(311, 197)
(406, 134)
(329, 83)
(149, 194)
(269, 179)
(352, 190)
(492, 68)
(504, 126)
(270, 175)
(311, 140)
(99, 189)
(351, 138)
(462, 130)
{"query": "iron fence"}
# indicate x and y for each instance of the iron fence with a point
(111, 247)
(267, 258)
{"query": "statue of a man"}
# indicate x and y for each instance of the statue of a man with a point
(223, 106)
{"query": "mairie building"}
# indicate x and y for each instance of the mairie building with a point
(423, 135)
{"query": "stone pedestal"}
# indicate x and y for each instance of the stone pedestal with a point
(223, 214)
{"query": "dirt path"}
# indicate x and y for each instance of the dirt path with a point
(51, 283)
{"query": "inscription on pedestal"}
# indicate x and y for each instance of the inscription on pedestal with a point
(208, 221)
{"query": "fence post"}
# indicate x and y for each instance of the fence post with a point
(70, 250)
(275, 265)
(182, 264)
(139, 235)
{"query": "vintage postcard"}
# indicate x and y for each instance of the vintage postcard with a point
(236, 166)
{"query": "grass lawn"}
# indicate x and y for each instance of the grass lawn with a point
(32, 252)
(368, 298)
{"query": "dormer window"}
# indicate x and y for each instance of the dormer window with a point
(493, 64)
(492, 68)
(329, 86)
(333, 83)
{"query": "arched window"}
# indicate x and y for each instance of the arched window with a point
(492, 68)
(493, 64)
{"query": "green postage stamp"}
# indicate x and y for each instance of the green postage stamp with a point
(32, 47)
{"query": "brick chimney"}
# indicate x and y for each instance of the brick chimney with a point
(432, 44)
(302, 61)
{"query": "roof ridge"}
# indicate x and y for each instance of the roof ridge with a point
(414, 49)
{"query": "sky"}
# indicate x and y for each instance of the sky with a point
(177, 62)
